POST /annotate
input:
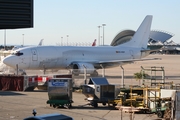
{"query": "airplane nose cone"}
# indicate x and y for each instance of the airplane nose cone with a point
(10, 61)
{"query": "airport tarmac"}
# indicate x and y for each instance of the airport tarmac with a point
(18, 105)
(170, 64)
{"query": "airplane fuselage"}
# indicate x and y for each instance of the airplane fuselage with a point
(57, 57)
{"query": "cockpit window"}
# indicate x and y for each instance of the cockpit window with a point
(17, 53)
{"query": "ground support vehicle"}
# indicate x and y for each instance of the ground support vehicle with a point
(147, 100)
(60, 92)
(162, 107)
(98, 90)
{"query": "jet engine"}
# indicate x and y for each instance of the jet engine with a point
(79, 68)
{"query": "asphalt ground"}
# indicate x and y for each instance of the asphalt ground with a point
(170, 64)
(18, 105)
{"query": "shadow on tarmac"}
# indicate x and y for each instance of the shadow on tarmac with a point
(10, 93)
(87, 107)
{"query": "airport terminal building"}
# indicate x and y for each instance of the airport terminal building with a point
(157, 39)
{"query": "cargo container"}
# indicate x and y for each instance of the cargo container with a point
(60, 92)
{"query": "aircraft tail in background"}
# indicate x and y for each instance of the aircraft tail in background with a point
(94, 43)
(141, 37)
(41, 42)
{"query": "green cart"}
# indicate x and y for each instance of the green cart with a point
(60, 92)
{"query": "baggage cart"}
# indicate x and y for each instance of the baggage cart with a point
(98, 90)
(60, 92)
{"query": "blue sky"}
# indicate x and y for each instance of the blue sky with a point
(79, 19)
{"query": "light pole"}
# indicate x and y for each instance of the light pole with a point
(67, 39)
(103, 32)
(23, 40)
(99, 34)
(61, 41)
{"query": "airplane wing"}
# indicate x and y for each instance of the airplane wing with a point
(111, 63)
(127, 60)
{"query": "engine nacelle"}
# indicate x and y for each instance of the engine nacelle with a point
(78, 68)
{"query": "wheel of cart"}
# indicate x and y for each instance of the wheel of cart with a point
(58, 103)
(54, 105)
(69, 105)
(94, 104)
(160, 114)
(104, 103)
(50, 105)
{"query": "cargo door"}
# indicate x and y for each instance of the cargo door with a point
(34, 55)
(33, 59)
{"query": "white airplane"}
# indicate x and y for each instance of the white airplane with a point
(78, 57)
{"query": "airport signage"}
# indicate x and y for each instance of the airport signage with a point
(58, 84)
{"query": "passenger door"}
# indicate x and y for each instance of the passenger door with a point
(34, 55)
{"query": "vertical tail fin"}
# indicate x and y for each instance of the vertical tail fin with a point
(41, 42)
(141, 37)
(94, 43)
